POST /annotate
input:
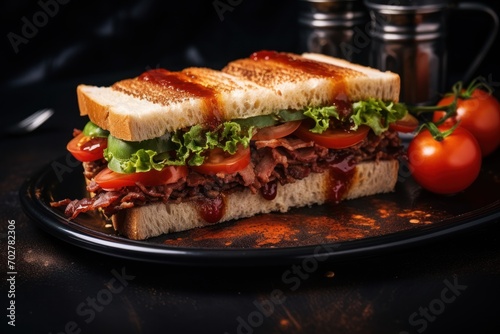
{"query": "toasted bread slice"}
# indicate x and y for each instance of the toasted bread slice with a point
(155, 219)
(136, 109)
(316, 80)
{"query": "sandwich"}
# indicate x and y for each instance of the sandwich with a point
(169, 151)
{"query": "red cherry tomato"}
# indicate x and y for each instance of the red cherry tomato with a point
(275, 132)
(218, 161)
(86, 149)
(333, 138)
(407, 124)
(480, 114)
(447, 166)
(108, 179)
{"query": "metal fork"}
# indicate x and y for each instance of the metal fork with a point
(28, 124)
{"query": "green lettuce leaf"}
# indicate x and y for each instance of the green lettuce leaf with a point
(233, 135)
(376, 114)
(321, 117)
(189, 148)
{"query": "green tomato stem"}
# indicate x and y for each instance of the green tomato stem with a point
(451, 109)
(435, 132)
(477, 83)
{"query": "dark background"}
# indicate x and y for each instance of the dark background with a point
(81, 38)
(94, 37)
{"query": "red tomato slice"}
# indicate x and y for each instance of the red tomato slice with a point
(109, 179)
(333, 138)
(407, 124)
(278, 131)
(218, 161)
(85, 148)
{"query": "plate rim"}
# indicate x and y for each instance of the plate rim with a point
(113, 245)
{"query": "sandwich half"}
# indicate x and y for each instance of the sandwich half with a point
(170, 151)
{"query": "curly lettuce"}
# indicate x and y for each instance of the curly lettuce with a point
(321, 117)
(194, 142)
(375, 113)
(187, 148)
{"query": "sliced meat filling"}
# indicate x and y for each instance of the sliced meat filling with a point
(282, 160)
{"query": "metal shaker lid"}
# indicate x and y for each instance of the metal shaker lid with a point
(406, 6)
(330, 13)
(408, 19)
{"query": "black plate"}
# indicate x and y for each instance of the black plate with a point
(361, 227)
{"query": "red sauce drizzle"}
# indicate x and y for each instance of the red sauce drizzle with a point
(182, 83)
(269, 190)
(342, 169)
(211, 209)
(306, 65)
